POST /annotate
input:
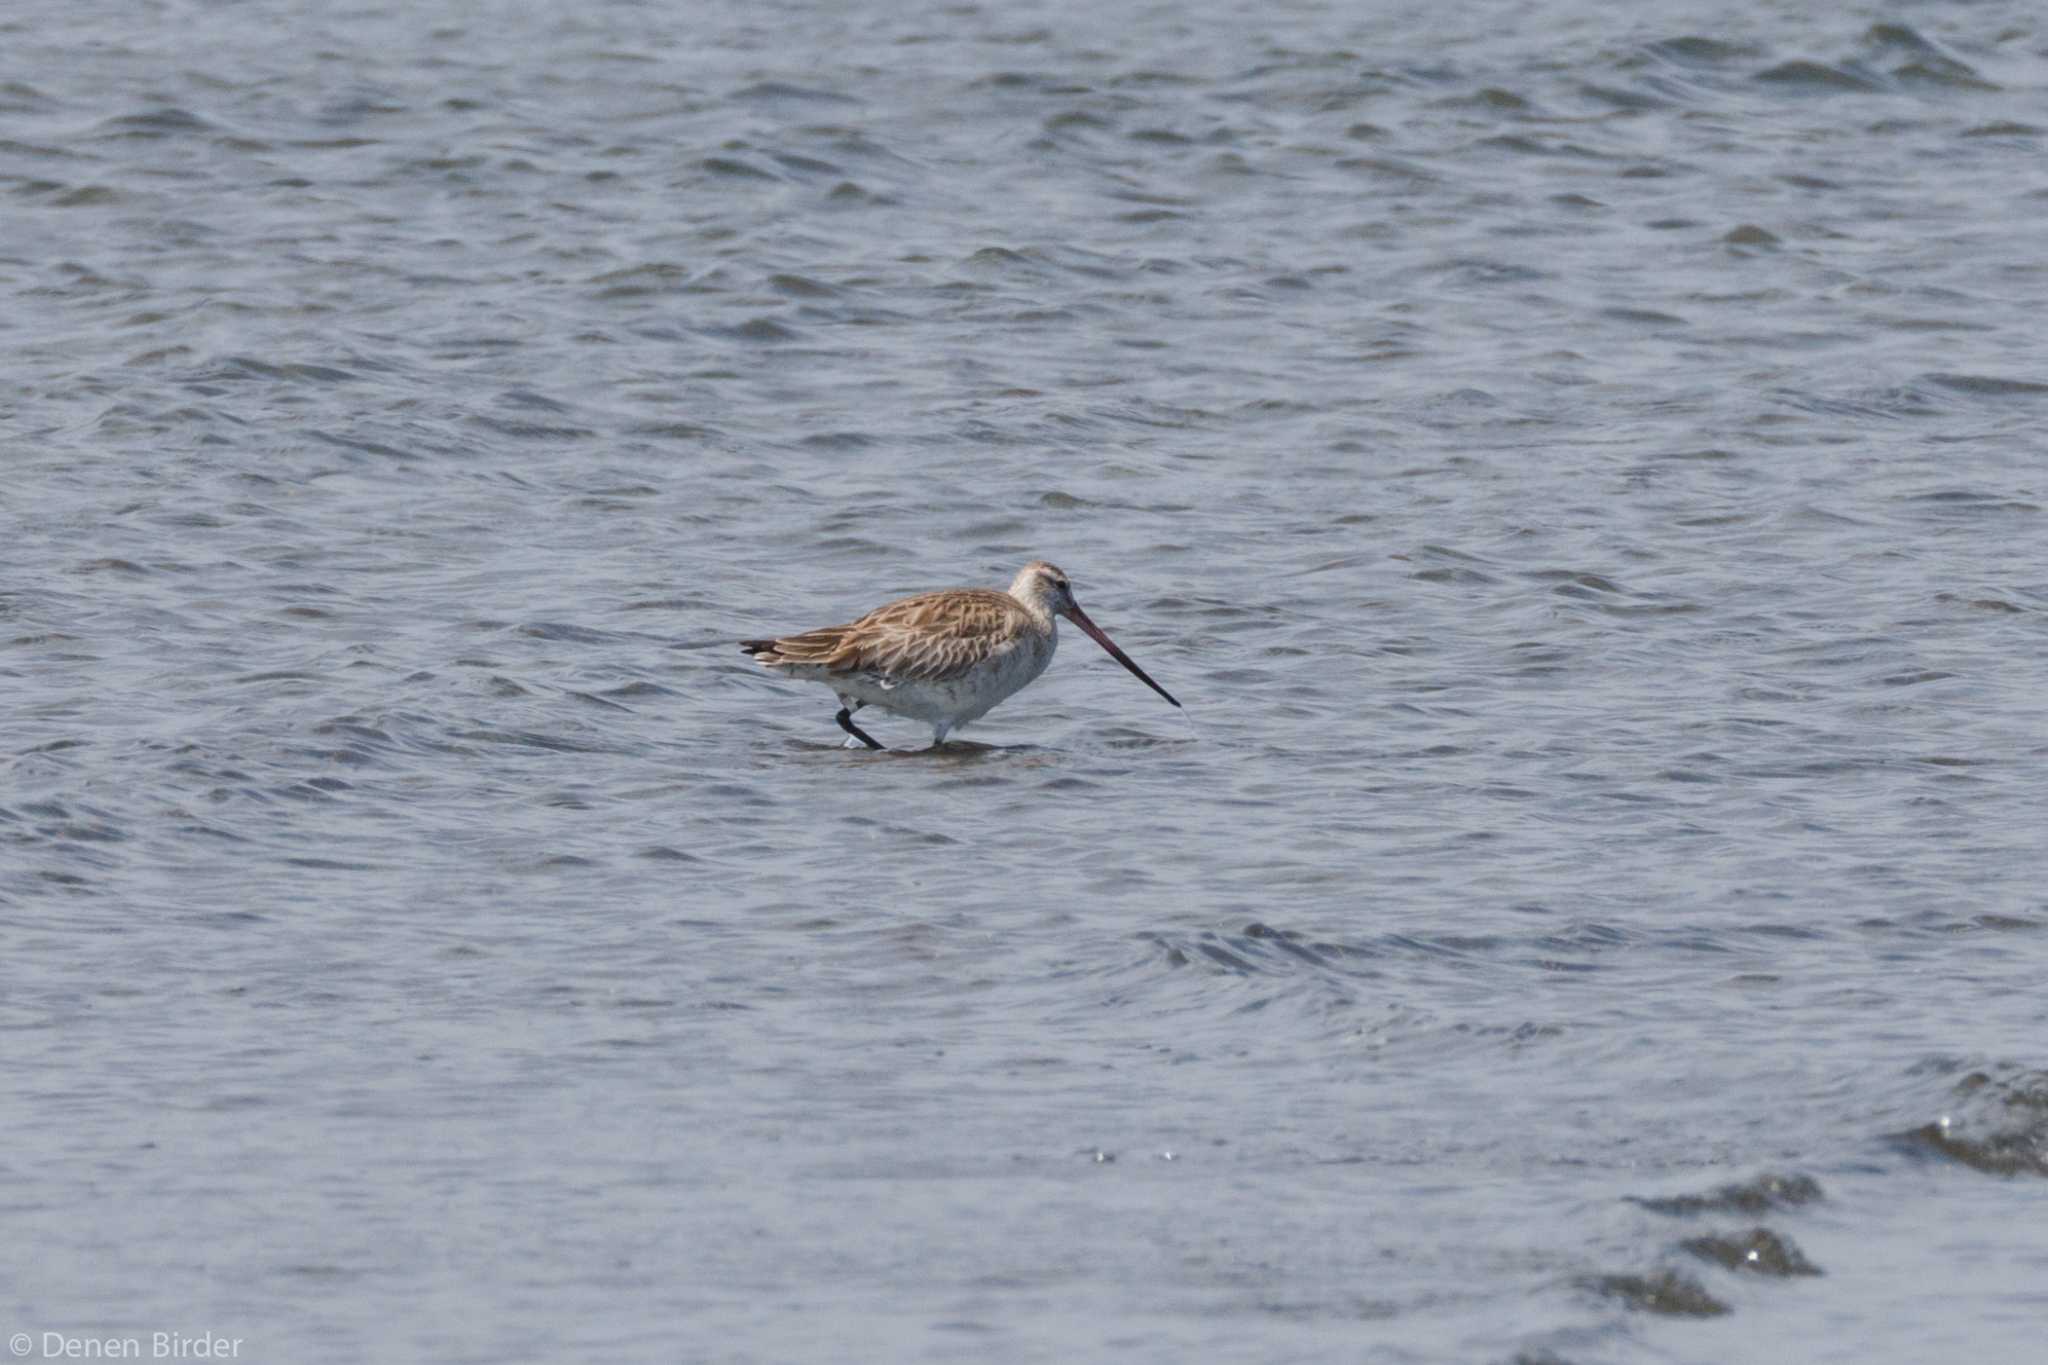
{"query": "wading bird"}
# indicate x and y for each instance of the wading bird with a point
(945, 658)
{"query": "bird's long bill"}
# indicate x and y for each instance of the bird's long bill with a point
(1080, 618)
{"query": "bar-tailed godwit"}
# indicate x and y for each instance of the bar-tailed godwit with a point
(945, 658)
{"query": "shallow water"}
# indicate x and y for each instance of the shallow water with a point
(1582, 472)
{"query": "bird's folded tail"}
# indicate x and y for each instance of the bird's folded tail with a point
(830, 648)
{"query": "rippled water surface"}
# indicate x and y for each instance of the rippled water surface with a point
(1581, 466)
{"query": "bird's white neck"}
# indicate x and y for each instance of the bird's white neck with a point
(1029, 592)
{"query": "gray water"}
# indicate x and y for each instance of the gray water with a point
(1582, 467)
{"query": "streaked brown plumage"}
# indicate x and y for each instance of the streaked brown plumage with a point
(928, 638)
(946, 658)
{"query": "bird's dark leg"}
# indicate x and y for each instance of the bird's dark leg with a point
(845, 719)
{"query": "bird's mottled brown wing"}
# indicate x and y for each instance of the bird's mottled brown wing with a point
(932, 637)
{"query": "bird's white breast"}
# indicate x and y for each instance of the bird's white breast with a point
(971, 695)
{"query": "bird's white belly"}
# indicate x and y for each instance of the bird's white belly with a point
(954, 702)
